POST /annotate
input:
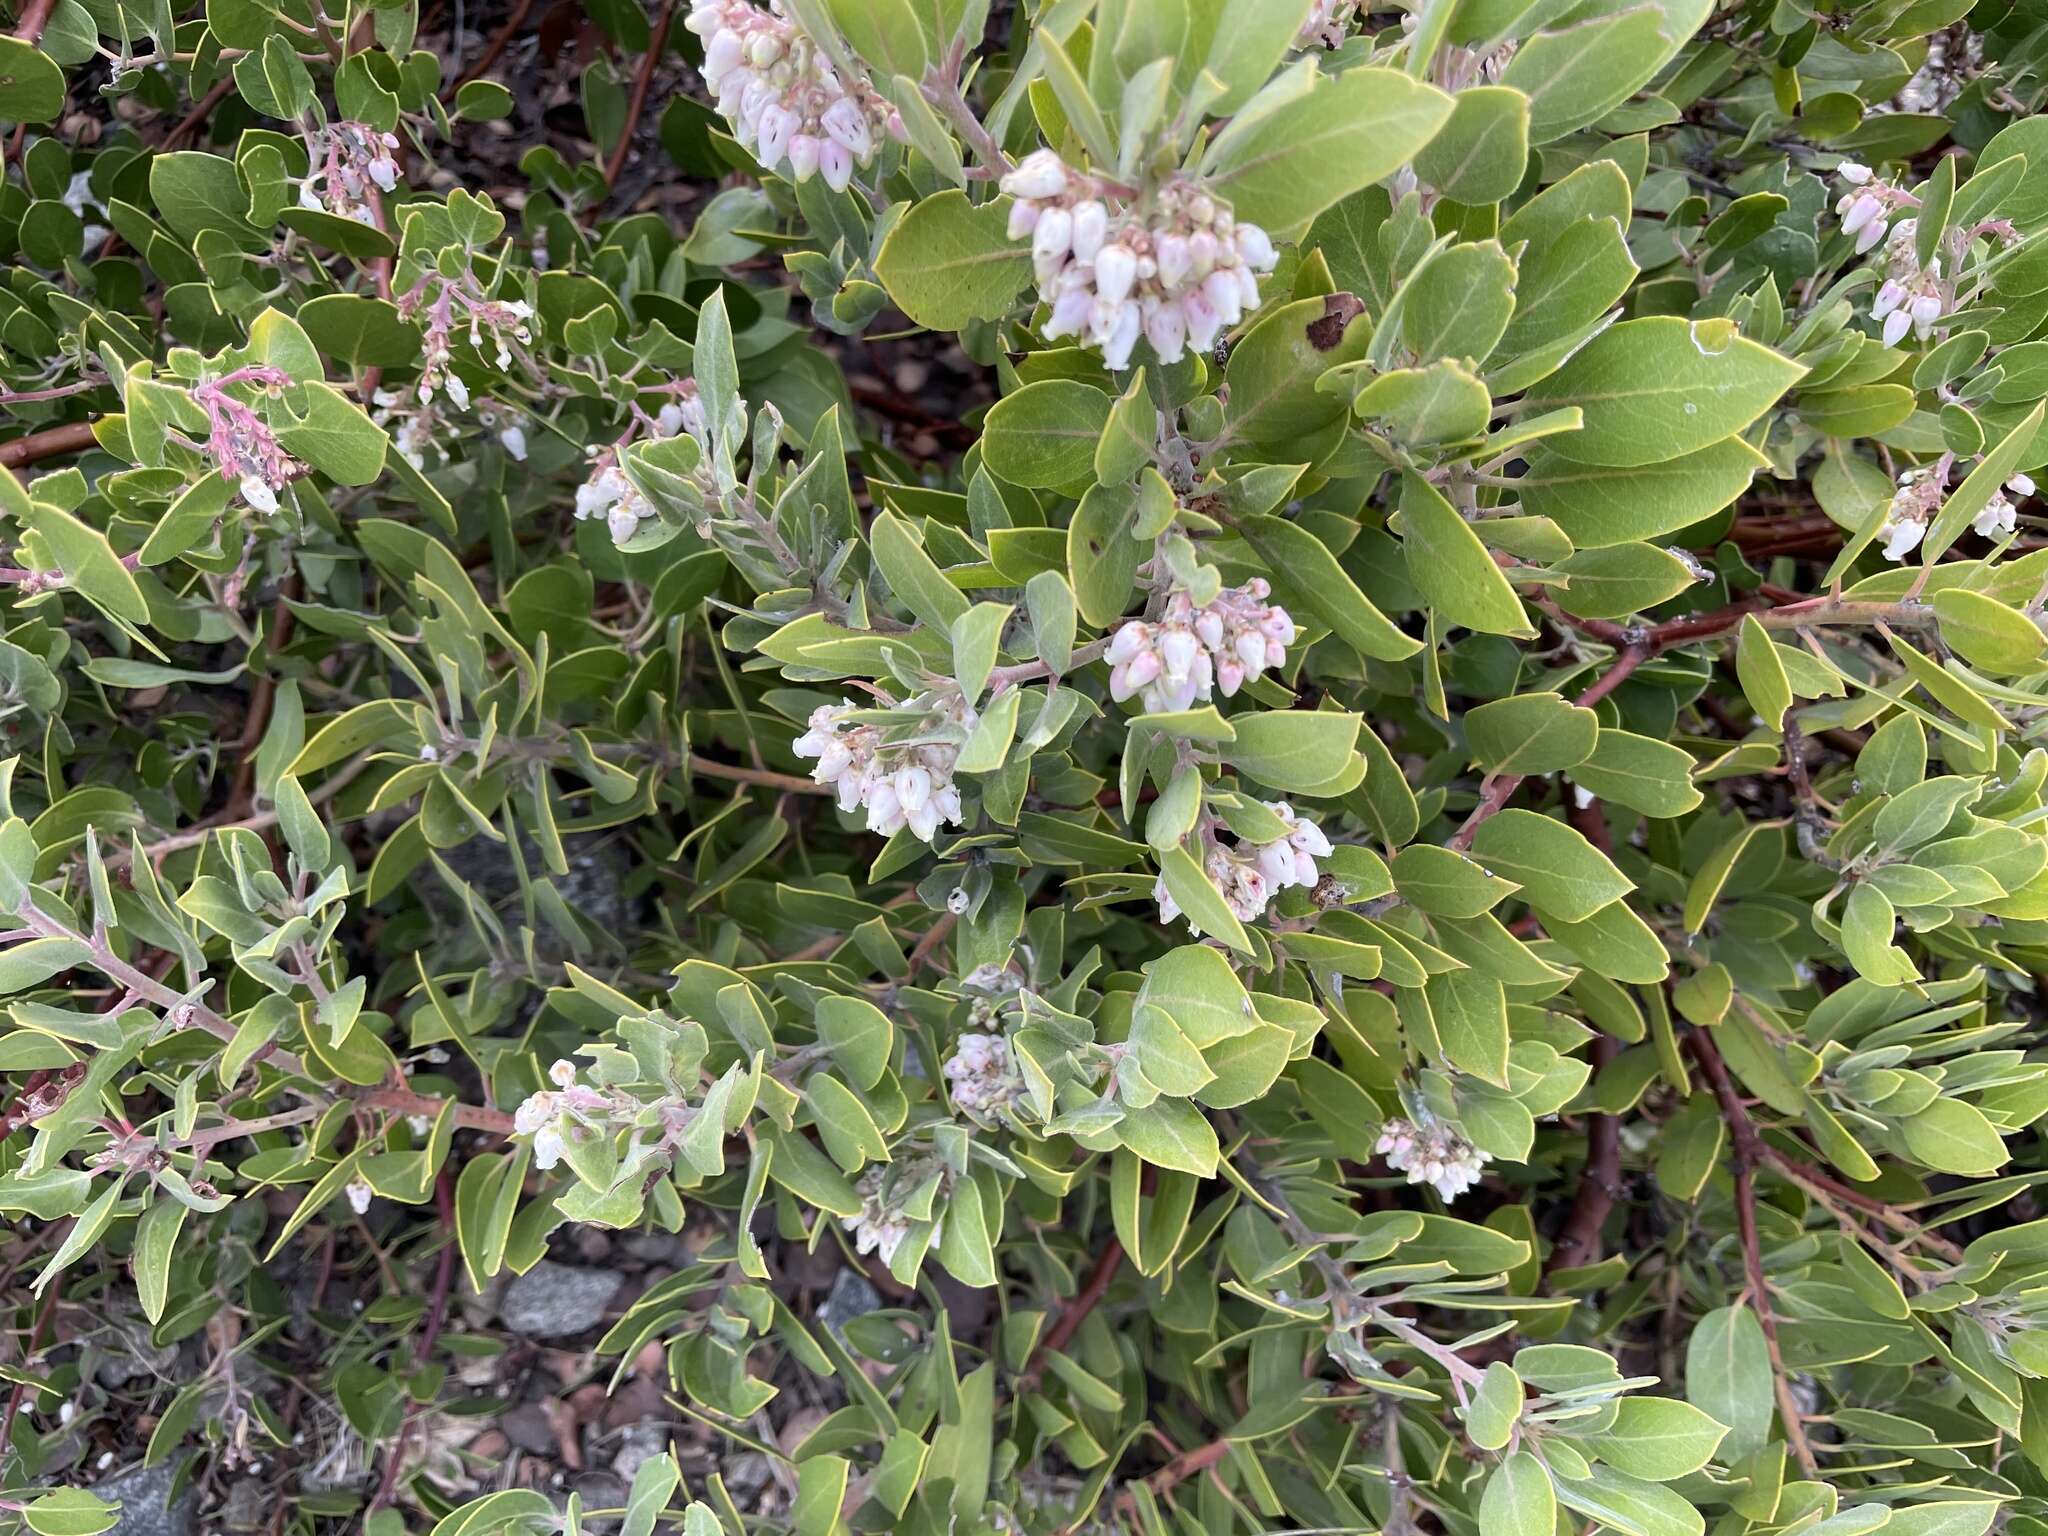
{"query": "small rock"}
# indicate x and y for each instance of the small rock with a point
(247, 1507)
(146, 1506)
(528, 1428)
(851, 1296)
(657, 1247)
(130, 1357)
(640, 1444)
(747, 1474)
(553, 1301)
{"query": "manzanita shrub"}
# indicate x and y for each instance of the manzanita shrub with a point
(1405, 898)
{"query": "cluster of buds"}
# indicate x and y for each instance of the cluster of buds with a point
(1431, 1153)
(784, 98)
(1999, 516)
(345, 160)
(570, 1104)
(1188, 652)
(1177, 268)
(1869, 205)
(494, 325)
(1327, 24)
(609, 493)
(982, 1075)
(1250, 875)
(240, 442)
(418, 426)
(882, 1225)
(903, 780)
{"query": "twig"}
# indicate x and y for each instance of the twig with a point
(657, 45)
(934, 936)
(1075, 1312)
(50, 443)
(1749, 1151)
(500, 40)
(34, 17)
(1578, 1240)
(789, 783)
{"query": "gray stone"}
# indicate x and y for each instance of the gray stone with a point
(552, 1301)
(146, 1506)
(851, 1296)
(527, 1427)
(639, 1445)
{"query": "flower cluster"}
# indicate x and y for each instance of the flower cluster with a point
(542, 1115)
(881, 1226)
(240, 442)
(610, 494)
(496, 323)
(1431, 1153)
(1867, 208)
(1251, 874)
(1919, 496)
(784, 97)
(982, 1074)
(419, 427)
(1176, 268)
(344, 161)
(902, 782)
(1186, 653)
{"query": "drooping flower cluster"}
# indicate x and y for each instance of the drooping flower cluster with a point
(496, 324)
(1250, 875)
(1175, 267)
(1919, 496)
(345, 160)
(1913, 297)
(1913, 506)
(1431, 1153)
(240, 442)
(420, 430)
(1868, 206)
(982, 1075)
(610, 494)
(1185, 654)
(786, 100)
(903, 778)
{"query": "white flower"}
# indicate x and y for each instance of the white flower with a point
(982, 1075)
(786, 100)
(1433, 1154)
(547, 1147)
(1901, 538)
(1854, 173)
(1182, 657)
(257, 492)
(879, 1229)
(900, 783)
(359, 1196)
(1998, 518)
(513, 440)
(1172, 274)
(1250, 875)
(562, 1074)
(2021, 485)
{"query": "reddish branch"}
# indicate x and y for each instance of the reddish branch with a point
(50, 443)
(34, 17)
(437, 1314)
(1578, 1240)
(500, 40)
(1749, 1151)
(35, 1342)
(1075, 1312)
(657, 45)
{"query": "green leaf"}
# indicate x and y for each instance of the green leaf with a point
(1762, 673)
(1641, 773)
(1950, 1136)
(1273, 372)
(156, 1240)
(1557, 868)
(1308, 575)
(1728, 1375)
(1496, 1406)
(1599, 505)
(1628, 1505)
(1519, 1499)
(1304, 752)
(31, 84)
(1623, 579)
(1196, 895)
(70, 1511)
(860, 1037)
(1658, 1438)
(914, 579)
(90, 565)
(1452, 568)
(1173, 1134)
(948, 263)
(1656, 388)
(1279, 169)
(1445, 883)
(1531, 733)
(1045, 434)
(1480, 153)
